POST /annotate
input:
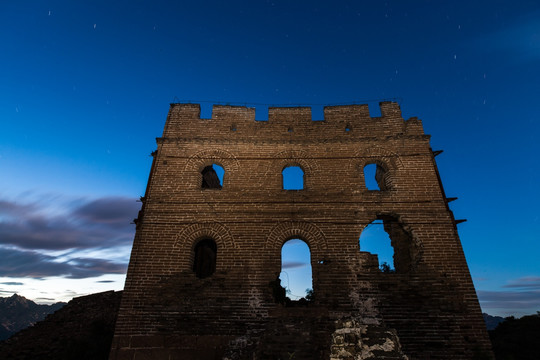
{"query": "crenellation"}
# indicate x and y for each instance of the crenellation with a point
(340, 121)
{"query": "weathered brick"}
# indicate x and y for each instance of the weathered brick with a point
(429, 302)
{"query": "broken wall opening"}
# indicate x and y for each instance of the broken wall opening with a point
(376, 177)
(392, 244)
(376, 241)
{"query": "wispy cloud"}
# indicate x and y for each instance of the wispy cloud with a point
(32, 264)
(504, 298)
(99, 223)
(112, 211)
(292, 265)
(14, 283)
(44, 299)
(529, 282)
(39, 239)
(521, 297)
(15, 209)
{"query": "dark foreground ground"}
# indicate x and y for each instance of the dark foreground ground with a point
(83, 329)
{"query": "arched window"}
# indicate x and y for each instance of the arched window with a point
(295, 273)
(375, 177)
(212, 177)
(204, 262)
(293, 178)
(394, 246)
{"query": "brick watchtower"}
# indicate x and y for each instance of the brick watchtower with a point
(201, 282)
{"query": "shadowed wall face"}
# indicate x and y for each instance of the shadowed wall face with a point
(204, 272)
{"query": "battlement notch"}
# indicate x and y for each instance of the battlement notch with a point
(184, 120)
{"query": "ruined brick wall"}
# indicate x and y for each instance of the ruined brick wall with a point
(429, 303)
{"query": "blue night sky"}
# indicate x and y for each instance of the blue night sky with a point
(85, 88)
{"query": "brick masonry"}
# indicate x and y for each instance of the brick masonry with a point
(427, 309)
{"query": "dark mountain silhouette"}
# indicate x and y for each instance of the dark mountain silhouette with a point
(17, 313)
(82, 329)
(492, 321)
(517, 338)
